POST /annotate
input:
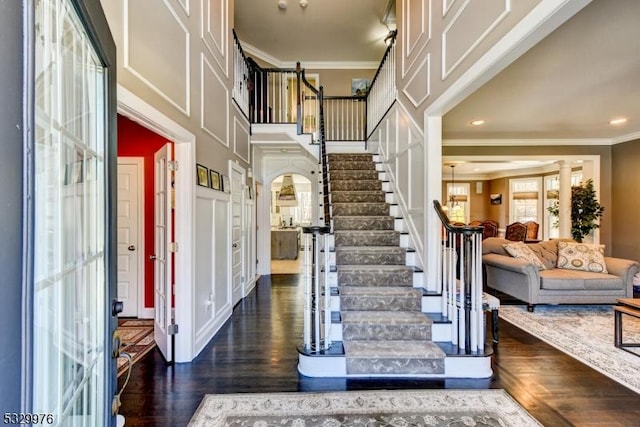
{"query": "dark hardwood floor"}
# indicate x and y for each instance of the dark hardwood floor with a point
(255, 351)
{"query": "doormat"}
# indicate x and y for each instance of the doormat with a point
(364, 408)
(136, 339)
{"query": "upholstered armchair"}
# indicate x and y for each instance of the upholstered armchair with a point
(516, 232)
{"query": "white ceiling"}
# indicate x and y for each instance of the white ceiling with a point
(567, 87)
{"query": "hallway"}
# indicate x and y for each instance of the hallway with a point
(254, 352)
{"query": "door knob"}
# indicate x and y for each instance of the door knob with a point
(131, 248)
(153, 257)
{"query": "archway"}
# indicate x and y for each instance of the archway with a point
(292, 207)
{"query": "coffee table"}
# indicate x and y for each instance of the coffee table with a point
(629, 307)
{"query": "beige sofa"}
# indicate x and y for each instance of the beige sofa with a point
(525, 281)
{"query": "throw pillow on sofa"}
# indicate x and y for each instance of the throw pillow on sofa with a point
(581, 256)
(520, 250)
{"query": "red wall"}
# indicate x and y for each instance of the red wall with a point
(135, 140)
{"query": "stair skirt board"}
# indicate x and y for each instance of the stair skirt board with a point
(336, 367)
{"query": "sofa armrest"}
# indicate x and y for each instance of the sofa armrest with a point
(625, 269)
(512, 276)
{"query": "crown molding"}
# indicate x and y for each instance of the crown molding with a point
(313, 65)
(625, 138)
(523, 142)
(539, 142)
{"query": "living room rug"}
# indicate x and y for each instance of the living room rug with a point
(363, 408)
(136, 339)
(584, 332)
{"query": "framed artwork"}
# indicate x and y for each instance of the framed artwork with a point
(214, 177)
(496, 199)
(202, 175)
(226, 185)
(359, 87)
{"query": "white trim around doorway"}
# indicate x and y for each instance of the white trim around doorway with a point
(133, 107)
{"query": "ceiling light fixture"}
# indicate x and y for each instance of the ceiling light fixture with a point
(477, 122)
(618, 121)
(304, 3)
(282, 4)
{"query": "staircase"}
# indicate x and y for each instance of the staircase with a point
(384, 330)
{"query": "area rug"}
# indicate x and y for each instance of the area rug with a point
(136, 338)
(584, 332)
(363, 408)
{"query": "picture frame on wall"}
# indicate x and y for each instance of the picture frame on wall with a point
(202, 175)
(495, 199)
(226, 185)
(214, 177)
(359, 87)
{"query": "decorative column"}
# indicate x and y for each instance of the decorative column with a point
(564, 214)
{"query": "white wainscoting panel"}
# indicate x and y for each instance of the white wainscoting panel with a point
(446, 6)
(158, 54)
(214, 116)
(468, 28)
(212, 299)
(213, 31)
(400, 146)
(418, 86)
(185, 5)
(417, 15)
(241, 138)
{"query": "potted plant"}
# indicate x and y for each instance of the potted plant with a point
(585, 210)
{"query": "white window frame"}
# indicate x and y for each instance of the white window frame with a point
(460, 189)
(539, 208)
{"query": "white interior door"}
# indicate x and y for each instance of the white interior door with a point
(129, 237)
(237, 252)
(162, 256)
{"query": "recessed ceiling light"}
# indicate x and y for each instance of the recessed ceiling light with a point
(618, 121)
(477, 122)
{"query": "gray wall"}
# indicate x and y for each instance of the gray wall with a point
(11, 187)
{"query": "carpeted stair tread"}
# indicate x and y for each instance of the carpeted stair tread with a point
(371, 255)
(400, 290)
(363, 223)
(351, 165)
(393, 357)
(385, 325)
(367, 238)
(353, 174)
(360, 209)
(357, 196)
(362, 157)
(353, 185)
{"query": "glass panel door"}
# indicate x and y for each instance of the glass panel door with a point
(69, 266)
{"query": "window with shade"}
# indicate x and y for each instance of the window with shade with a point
(526, 200)
(458, 203)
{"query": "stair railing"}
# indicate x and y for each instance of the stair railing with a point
(242, 87)
(382, 92)
(345, 117)
(316, 336)
(461, 282)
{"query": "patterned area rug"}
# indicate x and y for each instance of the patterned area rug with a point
(584, 332)
(136, 339)
(363, 408)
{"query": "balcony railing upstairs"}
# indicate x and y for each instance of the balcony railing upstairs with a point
(277, 95)
(461, 285)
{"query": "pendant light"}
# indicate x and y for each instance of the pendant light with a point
(287, 195)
